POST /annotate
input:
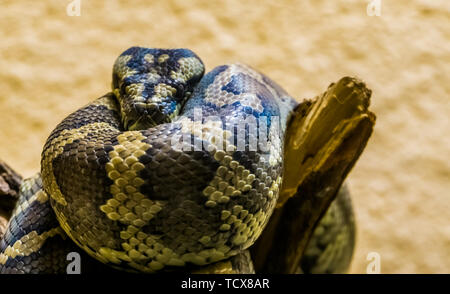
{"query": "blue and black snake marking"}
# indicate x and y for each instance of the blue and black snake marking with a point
(171, 170)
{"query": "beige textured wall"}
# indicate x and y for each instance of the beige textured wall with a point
(51, 64)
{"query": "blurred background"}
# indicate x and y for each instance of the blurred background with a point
(52, 63)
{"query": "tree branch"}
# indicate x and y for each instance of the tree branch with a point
(324, 140)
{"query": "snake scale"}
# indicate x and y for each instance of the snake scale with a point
(172, 170)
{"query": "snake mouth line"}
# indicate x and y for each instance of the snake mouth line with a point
(141, 123)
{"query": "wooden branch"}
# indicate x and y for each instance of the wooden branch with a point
(324, 140)
(9, 193)
(9, 186)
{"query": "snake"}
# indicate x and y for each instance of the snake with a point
(174, 169)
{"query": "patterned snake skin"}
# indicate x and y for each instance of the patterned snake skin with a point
(172, 170)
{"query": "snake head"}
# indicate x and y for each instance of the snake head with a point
(145, 94)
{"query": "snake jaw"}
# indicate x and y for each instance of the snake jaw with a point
(142, 123)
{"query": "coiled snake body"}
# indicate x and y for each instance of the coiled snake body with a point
(172, 169)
